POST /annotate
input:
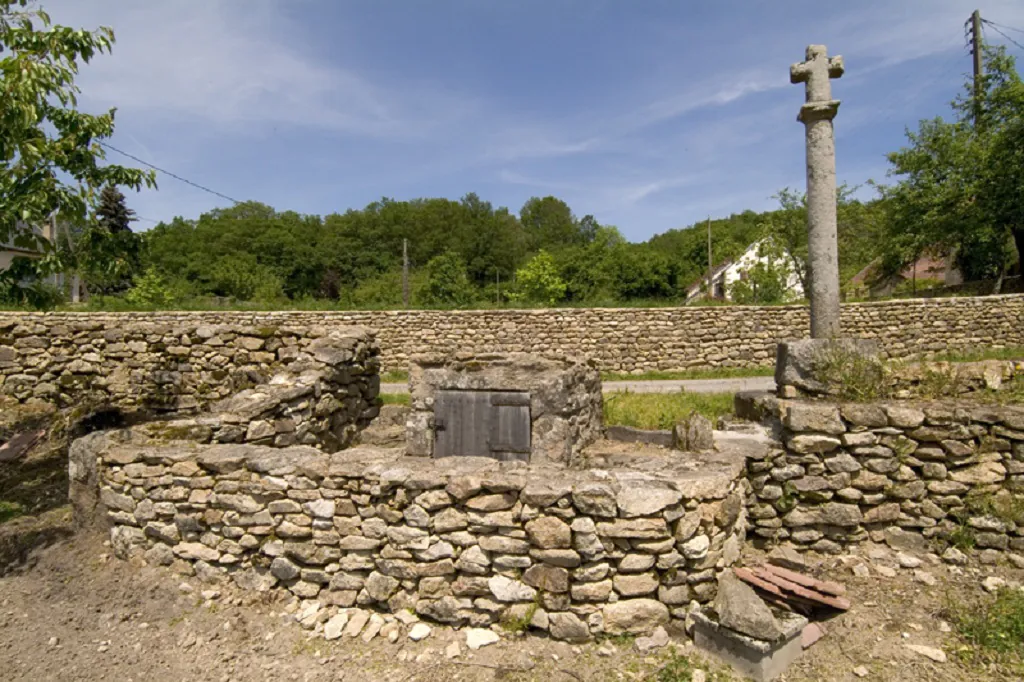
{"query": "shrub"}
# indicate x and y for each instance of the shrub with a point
(994, 628)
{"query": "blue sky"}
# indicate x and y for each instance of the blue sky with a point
(648, 114)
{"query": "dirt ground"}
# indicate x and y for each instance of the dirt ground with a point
(72, 612)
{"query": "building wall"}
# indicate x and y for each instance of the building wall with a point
(40, 347)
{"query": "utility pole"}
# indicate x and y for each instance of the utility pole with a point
(976, 47)
(405, 274)
(711, 285)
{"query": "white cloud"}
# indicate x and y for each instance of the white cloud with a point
(238, 65)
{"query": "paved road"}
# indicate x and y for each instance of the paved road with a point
(665, 386)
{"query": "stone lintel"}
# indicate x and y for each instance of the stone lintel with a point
(818, 111)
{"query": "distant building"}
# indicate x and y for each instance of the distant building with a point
(727, 274)
(927, 272)
(9, 250)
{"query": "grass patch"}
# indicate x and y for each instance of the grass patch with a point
(394, 398)
(680, 668)
(851, 375)
(979, 354)
(395, 377)
(1006, 507)
(685, 374)
(963, 538)
(993, 628)
(663, 410)
(10, 510)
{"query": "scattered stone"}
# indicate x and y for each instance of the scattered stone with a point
(656, 640)
(993, 584)
(933, 653)
(885, 571)
(787, 557)
(479, 637)
(954, 556)
(907, 561)
(925, 578)
(740, 609)
(453, 650)
(419, 631)
(334, 627)
(861, 671)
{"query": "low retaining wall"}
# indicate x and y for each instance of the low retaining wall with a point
(852, 472)
(460, 541)
(175, 364)
(625, 340)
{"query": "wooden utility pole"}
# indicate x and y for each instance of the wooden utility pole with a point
(976, 46)
(405, 273)
(711, 284)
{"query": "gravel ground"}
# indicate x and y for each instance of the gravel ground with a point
(74, 613)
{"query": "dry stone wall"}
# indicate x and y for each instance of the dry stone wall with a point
(460, 541)
(892, 472)
(178, 363)
(618, 339)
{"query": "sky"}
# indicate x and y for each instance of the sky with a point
(649, 115)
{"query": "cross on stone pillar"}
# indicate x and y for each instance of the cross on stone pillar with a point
(822, 229)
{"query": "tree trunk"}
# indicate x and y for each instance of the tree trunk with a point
(1018, 241)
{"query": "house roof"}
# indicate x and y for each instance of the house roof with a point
(928, 266)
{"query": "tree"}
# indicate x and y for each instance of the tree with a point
(49, 150)
(447, 283)
(961, 182)
(549, 223)
(112, 213)
(108, 253)
(539, 282)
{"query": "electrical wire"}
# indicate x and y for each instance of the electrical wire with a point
(1008, 28)
(166, 172)
(994, 28)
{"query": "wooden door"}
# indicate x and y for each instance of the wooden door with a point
(482, 424)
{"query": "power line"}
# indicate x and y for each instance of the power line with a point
(996, 29)
(165, 172)
(1008, 28)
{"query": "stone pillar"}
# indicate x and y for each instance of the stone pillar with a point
(822, 238)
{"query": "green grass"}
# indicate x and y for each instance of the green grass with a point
(10, 510)
(394, 377)
(993, 629)
(685, 374)
(394, 399)
(1006, 507)
(979, 354)
(663, 410)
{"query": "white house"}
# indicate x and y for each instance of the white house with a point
(727, 274)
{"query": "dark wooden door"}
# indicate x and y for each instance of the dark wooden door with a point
(482, 424)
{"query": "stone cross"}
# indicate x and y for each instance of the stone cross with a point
(822, 230)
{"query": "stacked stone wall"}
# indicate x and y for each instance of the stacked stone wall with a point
(623, 340)
(462, 542)
(175, 363)
(944, 472)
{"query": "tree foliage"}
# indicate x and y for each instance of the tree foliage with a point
(961, 182)
(50, 157)
(539, 282)
(447, 282)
